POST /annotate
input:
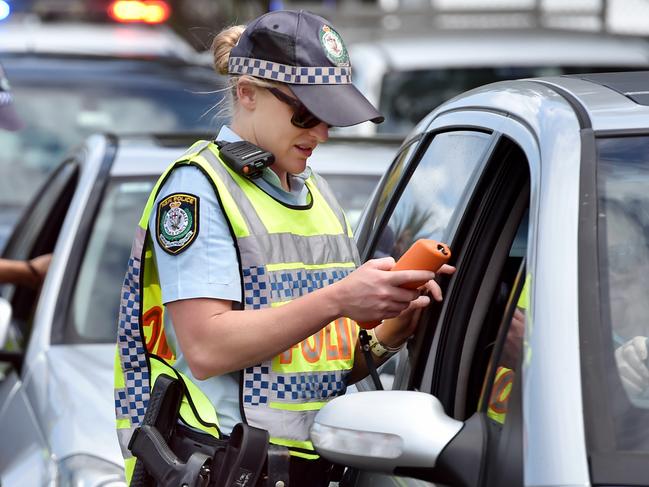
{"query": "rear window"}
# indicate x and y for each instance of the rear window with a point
(408, 96)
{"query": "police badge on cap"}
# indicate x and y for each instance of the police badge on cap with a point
(9, 119)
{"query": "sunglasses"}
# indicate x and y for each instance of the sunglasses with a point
(302, 117)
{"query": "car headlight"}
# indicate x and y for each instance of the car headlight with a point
(89, 471)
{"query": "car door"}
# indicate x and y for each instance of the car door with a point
(469, 184)
(35, 234)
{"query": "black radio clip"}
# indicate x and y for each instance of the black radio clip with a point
(245, 158)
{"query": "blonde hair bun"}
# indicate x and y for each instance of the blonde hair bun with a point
(223, 44)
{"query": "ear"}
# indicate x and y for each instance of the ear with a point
(247, 95)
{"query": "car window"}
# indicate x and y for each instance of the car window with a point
(623, 244)
(96, 296)
(450, 353)
(388, 187)
(36, 234)
(433, 195)
(434, 191)
(475, 366)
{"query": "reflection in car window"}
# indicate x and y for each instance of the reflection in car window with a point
(446, 172)
(623, 240)
(95, 301)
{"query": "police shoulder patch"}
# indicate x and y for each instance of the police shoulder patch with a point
(177, 222)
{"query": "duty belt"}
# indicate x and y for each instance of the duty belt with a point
(170, 454)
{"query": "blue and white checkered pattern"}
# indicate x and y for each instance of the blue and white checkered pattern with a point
(287, 285)
(302, 387)
(297, 75)
(256, 385)
(255, 287)
(132, 401)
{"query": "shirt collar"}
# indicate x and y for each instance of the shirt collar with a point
(296, 180)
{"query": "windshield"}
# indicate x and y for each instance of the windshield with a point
(63, 100)
(408, 96)
(623, 244)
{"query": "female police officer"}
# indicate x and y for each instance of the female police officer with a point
(245, 285)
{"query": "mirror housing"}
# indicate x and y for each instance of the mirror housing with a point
(383, 431)
(403, 433)
(5, 320)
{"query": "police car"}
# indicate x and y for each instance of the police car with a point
(57, 347)
(540, 187)
(71, 78)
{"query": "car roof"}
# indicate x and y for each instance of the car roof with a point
(149, 155)
(480, 47)
(603, 102)
(612, 101)
(115, 40)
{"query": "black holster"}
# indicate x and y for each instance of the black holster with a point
(170, 454)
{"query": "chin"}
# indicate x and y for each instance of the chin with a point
(298, 167)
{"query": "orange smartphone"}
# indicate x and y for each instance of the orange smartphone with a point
(425, 254)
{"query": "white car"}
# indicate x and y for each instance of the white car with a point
(57, 418)
(406, 77)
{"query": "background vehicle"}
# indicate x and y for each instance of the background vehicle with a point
(74, 79)
(56, 389)
(540, 186)
(407, 77)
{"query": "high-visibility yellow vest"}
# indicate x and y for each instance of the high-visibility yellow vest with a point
(284, 252)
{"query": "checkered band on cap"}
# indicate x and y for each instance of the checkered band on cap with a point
(296, 75)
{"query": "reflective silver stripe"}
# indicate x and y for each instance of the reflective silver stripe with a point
(124, 437)
(194, 149)
(278, 248)
(290, 425)
(243, 203)
(327, 194)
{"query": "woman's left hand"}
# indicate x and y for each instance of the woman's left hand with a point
(395, 331)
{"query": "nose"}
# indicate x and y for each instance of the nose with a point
(320, 132)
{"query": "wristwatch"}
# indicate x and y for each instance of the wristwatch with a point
(380, 349)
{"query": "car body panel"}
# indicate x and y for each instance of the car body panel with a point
(67, 388)
(66, 419)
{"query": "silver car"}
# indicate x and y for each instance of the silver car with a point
(57, 347)
(541, 188)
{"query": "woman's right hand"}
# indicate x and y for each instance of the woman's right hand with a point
(372, 293)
